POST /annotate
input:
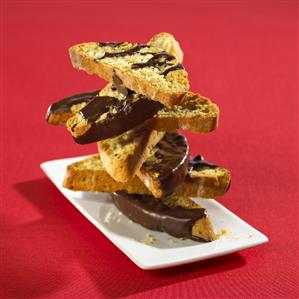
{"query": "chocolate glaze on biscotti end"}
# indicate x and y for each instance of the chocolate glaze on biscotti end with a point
(167, 167)
(91, 175)
(205, 179)
(59, 112)
(198, 163)
(194, 113)
(168, 215)
(145, 69)
(108, 116)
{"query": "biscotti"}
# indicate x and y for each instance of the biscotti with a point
(89, 174)
(205, 179)
(194, 113)
(167, 166)
(143, 161)
(107, 116)
(203, 118)
(177, 216)
(123, 155)
(144, 69)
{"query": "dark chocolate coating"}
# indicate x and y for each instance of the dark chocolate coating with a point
(127, 114)
(172, 158)
(198, 162)
(65, 104)
(153, 214)
(155, 60)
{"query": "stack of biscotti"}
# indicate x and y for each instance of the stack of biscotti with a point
(143, 161)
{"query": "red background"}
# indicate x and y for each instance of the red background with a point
(242, 55)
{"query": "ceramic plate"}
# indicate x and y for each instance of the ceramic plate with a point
(165, 251)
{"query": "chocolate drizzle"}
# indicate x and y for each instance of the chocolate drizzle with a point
(128, 52)
(176, 67)
(120, 115)
(64, 105)
(170, 162)
(198, 162)
(157, 60)
(111, 44)
(155, 215)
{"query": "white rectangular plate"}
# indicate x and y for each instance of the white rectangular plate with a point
(166, 251)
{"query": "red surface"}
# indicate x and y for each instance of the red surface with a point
(242, 55)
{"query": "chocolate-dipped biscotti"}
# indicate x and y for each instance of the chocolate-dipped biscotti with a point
(177, 216)
(194, 113)
(117, 109)
(167, 166)
(90, 175)
(143, 161)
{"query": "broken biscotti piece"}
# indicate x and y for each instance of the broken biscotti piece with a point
(167, 166)
(123, 155)
(147, 70)
(89, 174)
(175, 215)
(168, 43)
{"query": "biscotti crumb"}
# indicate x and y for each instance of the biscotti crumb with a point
(223, 232)
(109, 217)
(112, 217)
(149, 240)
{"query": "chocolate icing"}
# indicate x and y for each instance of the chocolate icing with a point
(176, 67)
(171, 162)
(111, 44)
(198, 162)
(127, 114)
(155, 60)
(155, 215)
(130, 51)
(65, 104)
